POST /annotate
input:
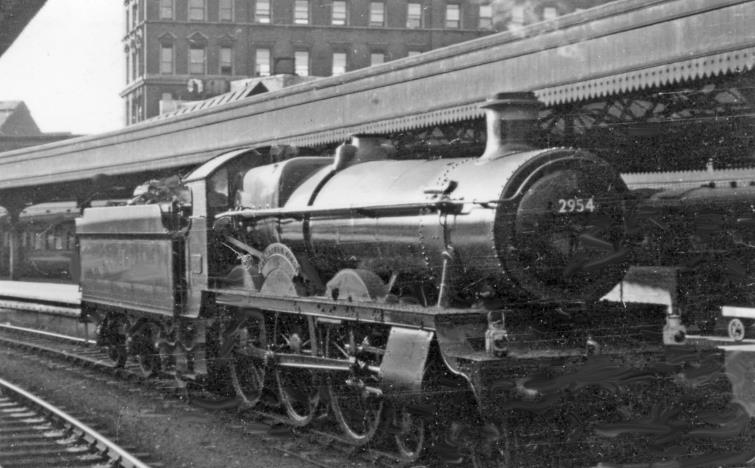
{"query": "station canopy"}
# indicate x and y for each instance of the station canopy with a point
(14, 16)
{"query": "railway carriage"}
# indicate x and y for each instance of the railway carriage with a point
(47, 240)
(400, 294)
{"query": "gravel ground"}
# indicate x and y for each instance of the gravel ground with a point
(182, 435)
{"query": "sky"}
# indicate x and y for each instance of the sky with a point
(68, 66)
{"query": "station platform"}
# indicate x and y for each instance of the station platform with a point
(45, 306)
(53, 293)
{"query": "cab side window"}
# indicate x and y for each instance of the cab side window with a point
(217, 189)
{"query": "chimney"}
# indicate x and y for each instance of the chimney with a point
(510, 118)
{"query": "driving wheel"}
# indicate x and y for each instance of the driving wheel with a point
(355, 401)
(246, 368)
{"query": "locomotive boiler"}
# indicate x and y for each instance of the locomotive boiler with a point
(516, 223)
(406, 294)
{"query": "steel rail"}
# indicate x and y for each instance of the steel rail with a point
(73, 339)
(115, 452)
(37, 306)
(270, 419)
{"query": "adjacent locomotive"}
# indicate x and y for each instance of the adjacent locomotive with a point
(374, 286)
(706, 232)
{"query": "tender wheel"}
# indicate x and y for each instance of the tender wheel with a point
(737, 329)
(299, 394)
(147, 354)
(149, 364)
(118, 354)
(167, 358)
(111, 334)
(410, 435)
(246, 369)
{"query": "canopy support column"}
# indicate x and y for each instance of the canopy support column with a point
(14, 244)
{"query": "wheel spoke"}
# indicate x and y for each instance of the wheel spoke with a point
(147, 354)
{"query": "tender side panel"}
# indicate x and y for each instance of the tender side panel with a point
(128, 258)
(135, 273)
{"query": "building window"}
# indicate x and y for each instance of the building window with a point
(301, 12)
(339, 14)
(339, 63)
(226, 61)
(453, 17)
(166, 59)
(128, 19)
(414, 15)
(550, 13)
(262, 62)
(134, 64)
(262, 11)
(225, 10)
(517, 15)
(377, 14)
(128, 66)
(301, 62)
(376, 58)
(486, 17)
(134, 107)
(196, 10)
(412, 53)
(134, 14)
(166, 9)
(197, 60)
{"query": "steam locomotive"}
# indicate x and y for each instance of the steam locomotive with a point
(407, 294)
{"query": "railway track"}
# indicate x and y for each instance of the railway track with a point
(313, 446)
(35, 433)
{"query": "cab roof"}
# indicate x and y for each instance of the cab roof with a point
(207, 169)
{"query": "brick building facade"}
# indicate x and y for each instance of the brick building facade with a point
(192, 49)
(211, 42)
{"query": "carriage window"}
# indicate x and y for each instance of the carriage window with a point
(59, 238)
(39, 241)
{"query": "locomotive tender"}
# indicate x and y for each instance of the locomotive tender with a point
(372, 285)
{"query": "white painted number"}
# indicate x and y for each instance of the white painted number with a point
(576, 205)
